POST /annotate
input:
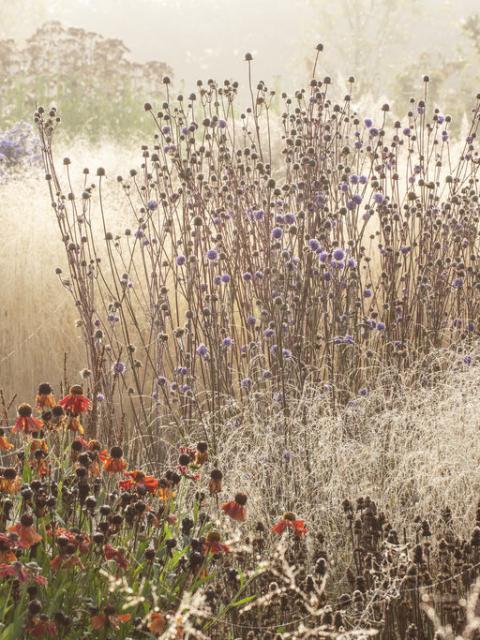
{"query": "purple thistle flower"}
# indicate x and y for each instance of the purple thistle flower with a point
(227, 342)
(277, 233)
(251, 321)
(357, 198)
(226, 278)
(314, 244)
(339, 254)
(119, 368)
(212, 254)
(259, 215)
(202, 350)
(290, 218)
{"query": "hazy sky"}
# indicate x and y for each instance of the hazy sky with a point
(208, 38)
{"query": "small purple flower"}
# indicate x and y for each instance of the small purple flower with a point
(119, 368)
(227, 342)
(100, 397)
(212, 254)
(354, 179)
(378, 197)
(467, 360)
(152, 205)
(287, 354)
(457, 283)
(363, 179)
(180, 261)
(290, 218)
(268, 333)
(352, 263)
(339, 254)
(380, 326)
(277, 233)
(357, 198)
(251, 321)
(314, 244)
(162, 381)
(343, 186)
(367, 293)
(202, 350)
(247, 276)
(226, 278)
(363, 392)
(368, 122)
(222, 124)
(259, 215)
(323, 256)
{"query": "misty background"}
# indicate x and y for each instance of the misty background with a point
(386, 44)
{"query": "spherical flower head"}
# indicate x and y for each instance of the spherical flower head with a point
(268, 333)
(259, 214)
(368, 122)
(338, 254)
(343, 186)
(180, 261)
(378, 197)
(212, 254)
(290, 218)
(251, 321)
(363, 179)
(354, 179)
(119, 368)
(367, 293)
(277, 233)
(247, 276)
(314, 244)
(246, 384)
(467, 360)
(380, 326)
(227, 342)
(357, 199)
(323, 256)
(100, 397)
(363, 392)
(152, 205)
(222, 124)
(457, 283)
(440, 118)
(287, 354)
(352, 263)
(202, 350)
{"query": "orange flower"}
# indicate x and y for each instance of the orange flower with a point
(115, 462)
(139, 479)
(157, 623)
(75, 402)
(214, 545)
(41, 627)
(44, 398)
(74, 425)
(165, 491)
(215, 484)
(9, 481)
(236, 508)
(62, 561)
(201, 454)
(118, 555)
(5, 445)
(290, 521)
(25, 422)
(103, 620)
(6, 553)
(27, 535)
